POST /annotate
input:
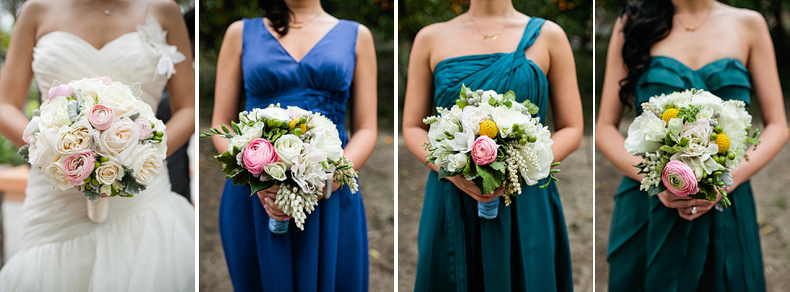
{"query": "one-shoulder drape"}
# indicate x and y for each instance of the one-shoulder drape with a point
(526, 247)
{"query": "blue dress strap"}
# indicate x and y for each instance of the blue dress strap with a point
(530, 33)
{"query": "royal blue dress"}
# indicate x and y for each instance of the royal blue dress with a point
(331, 254)
(526, 247)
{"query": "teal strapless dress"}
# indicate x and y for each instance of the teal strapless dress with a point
(526, 247)
(651, 248)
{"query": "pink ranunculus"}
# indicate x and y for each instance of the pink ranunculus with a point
(104, 79)
(679, 179)
(145, 128)
(484, 150)
(101, 117)
(60, 90)
(78, 167)
(258, 154)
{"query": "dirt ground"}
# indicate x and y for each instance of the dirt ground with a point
(575, 188)
(770, 193)
(376, 185)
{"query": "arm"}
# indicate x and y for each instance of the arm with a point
(228, 83)
(17, 73)
(181, 85)
(564, 93)
(364, 97)
(768, 91)
(608, 139)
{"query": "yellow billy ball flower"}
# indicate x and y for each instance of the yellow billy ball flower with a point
(293, 123)
(670, 114)
(724, 143)
(488, 128)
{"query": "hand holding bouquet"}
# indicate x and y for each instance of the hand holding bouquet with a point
(493, 141)
(690, 141)
(297, 150)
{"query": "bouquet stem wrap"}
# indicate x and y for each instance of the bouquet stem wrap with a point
(278, 227)
(98, 210)
(488, 210)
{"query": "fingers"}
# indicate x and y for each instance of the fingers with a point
(670, 200)
(267, 200)
(701, 207)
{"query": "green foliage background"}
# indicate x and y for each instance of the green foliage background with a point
(377, 15)
(574, 16)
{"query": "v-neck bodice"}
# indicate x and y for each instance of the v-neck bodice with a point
(498, 71)
(727, 78)
(319, 82)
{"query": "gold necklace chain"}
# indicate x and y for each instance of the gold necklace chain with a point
(490, 36)
(693, 29)
(105, 11)
(301, 24)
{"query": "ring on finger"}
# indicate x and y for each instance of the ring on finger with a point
(694, 210)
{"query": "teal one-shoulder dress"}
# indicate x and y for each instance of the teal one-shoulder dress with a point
(526, 247)
(651, 248)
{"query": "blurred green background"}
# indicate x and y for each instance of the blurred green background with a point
(8, 14)
(377, 15)
(776, 13)
(575, 17)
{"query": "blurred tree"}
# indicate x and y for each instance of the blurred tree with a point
(574, 16)
(377, 15)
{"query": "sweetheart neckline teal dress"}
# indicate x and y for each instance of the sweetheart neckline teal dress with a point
(331, 254)
(526, 247)
(650, 247)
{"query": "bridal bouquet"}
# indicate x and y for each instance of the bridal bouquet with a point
(97, 136)
(493, 141)
(690, 141)
(297, 150)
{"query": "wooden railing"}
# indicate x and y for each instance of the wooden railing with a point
(13, 181)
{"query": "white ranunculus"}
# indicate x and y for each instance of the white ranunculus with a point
(457, 162)
(439, 130)
(307, 170)
(119, 140)
(675, 126)
(54, 114)
(118, 97)
(697, 133)
(288, 147)
(462, 141)
(697, 156)
(645, 134)
(276, 170)
(543, 156)
(109, 172)
(275, 113)
(241, 140)
(505, 118)
(705, 113)
(441, 155)
(473, 116)
(75, 138)
(146, 164)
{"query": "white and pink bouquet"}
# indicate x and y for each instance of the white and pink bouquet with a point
(492, 140)
(96, 135)
(689, 142)
(297, 150)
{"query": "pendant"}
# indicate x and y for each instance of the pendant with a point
(490, 36)
(107, 12)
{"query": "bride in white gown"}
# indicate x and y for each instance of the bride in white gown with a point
(146, 243)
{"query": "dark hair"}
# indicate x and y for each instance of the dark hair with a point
(645, 23)
(189, 19)
(278, 13)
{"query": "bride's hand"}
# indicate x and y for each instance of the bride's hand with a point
(267, 197)
(471, 189)
(686, 206)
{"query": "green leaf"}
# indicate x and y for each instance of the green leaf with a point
(257, 185)
(235, 127)
(242, 178)
(130, 184)
(24, 152)
(443, 173)
(510, 95)
(498, 166)
(470, 170)
(491, 179)
(464, 89)
(91, 195)
(655, 190)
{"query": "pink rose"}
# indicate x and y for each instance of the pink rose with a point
(484, 150)
(145, 128)
(258, 154)
(101, 117)
(104, 79)
(679, 179)
(60, 90)
(78, 167)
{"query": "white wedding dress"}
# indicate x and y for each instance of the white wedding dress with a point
(147, 243)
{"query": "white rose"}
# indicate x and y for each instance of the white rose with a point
(543, 154)
(705, 113)
(87, 85)
(275, 113)
(109, 172)
(75, 138)
(329, 143)
(55, 175)
(118, 97)
(146, 163)
(439, 130)
(54, 114)
(296, 112)
(119, 140)
(505, 118)
(457, 162)
(31, 126)
(645, 134)
(307, 170)
(288, 147)
(241, 140)
(276, 170)
(675, 126)
(42, 151)
(440, 155)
